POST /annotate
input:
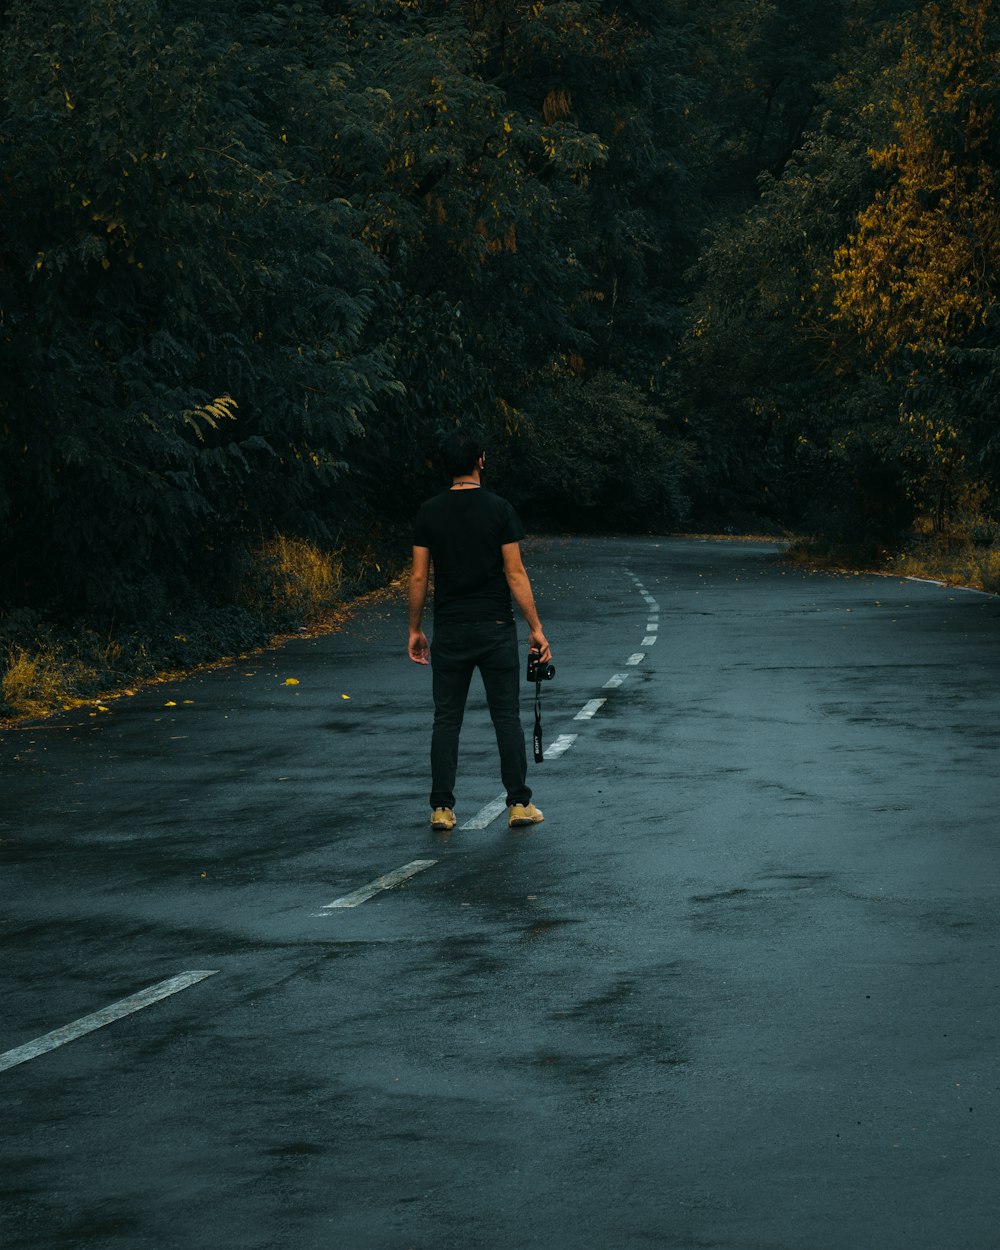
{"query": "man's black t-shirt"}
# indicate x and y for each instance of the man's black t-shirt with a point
(465, 530)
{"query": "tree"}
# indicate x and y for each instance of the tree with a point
(773, 406)
(917, 281)
(183, 302)
(919, 273)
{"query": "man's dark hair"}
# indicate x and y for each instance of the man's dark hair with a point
(460, 449)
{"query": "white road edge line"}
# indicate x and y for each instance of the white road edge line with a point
(107, 1015)
(386, 882)
(614, 682)
(588, 709)
(637, 658)
(969, 590)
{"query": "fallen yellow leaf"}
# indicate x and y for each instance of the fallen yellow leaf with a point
(291, 681)
(345, 696)
(170, 703)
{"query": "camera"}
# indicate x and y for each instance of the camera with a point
(536, 670)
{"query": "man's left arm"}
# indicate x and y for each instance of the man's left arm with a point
(520, 589)
(418, 649)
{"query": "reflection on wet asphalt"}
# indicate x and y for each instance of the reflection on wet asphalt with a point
(739, 990)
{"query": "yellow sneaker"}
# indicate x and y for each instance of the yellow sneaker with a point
(443, 818)
(524, 814)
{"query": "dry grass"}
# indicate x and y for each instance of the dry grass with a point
(968, 555)
(37, 683)
(956, 561)
(296, 579)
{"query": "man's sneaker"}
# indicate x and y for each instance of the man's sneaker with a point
(443, 818)
(524, 814)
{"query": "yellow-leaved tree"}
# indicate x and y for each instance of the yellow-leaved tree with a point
(918, 280)
(920, 273)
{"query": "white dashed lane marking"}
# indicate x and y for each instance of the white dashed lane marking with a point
(387, 882)
(588, 709)
(486, 815)
(649, 640)
(561, 744)
(107, 1015)
(637, 658)
(614, 682)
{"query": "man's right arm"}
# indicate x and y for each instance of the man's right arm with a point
(418, 648)
(520, 589)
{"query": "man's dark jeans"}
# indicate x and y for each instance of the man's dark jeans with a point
(455, 652)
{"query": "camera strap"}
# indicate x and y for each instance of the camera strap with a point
(537, 741)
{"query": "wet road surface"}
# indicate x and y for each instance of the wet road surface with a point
(740, 990)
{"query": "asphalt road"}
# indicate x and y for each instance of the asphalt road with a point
(740, 990)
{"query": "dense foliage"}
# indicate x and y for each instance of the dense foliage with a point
(856, 301)
(729, 264)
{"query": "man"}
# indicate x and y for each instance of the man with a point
(472, 537)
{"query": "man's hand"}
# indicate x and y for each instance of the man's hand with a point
(419, 650)
(538, 642)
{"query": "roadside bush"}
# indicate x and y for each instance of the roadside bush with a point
(35, 683)
(966, 557)
(291, 581)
